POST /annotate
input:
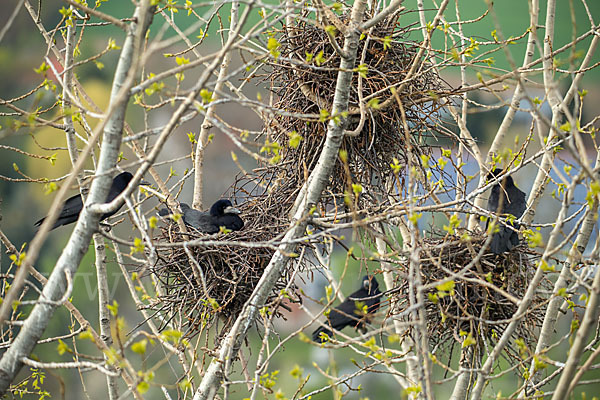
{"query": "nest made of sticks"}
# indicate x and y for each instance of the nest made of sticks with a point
(304, 88)
(230, 271)
(469, 305)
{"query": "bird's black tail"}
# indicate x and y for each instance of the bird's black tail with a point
(504, 240)
(39, 223)
(317, 334)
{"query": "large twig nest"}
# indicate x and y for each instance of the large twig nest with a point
(458, 307)
(230, 271)
(304, 79)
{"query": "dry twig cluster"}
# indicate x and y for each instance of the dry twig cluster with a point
(230, 271)
(303, 90)
(306, 89)
(464, 301)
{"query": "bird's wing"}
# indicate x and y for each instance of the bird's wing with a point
(500, 240)
(518, 202)
(72, 207)
(229, 221)
(119, 183)
(166, 211)
(348, 313)
(343, 315)
(69, 213)
(374, 302)
(494, 199)
(201, 221)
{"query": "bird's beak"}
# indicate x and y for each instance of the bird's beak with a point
(231, 210)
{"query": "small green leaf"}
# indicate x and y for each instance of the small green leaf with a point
(138, 246)
(181, 60)
(62, 347)
(42, 68)
(294, 139)
(213, 303)
(539, 364)
(139, 347)
(414, 218)
(433, 298)
(207, 96)
(495, 36)
(373, 103)
(387, 41)
(112, 45)
(319, 59)
(143, 387)
(446, 286)
(566, 127)
(114, 308)
(362, 70)
(296, 372)
(272, 46)
(172, 336)
(469, 341)
(330, 29)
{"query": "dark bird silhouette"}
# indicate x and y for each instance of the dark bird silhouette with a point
(351, 311)
(505, 198)
(222, 213)
(74, 205)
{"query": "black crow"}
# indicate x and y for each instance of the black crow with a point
(222, 213)
(352, 311)
(505, 198)
(74, 205)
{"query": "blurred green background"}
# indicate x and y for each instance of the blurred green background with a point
(22, 50)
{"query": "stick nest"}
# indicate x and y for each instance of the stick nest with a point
(229, 270)
(305, 91)
(468, 306)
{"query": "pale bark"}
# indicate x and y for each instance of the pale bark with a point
(103, 312)
(206, 125)
(512, 109)
(407, 343)
(314, 186)
(461, 387)
(590, 319)
(539, 183)
(69, 260)
(551, 315)
(68, 86)
(484, 373)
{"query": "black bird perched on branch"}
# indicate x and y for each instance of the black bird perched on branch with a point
(352, 311)
(74, 205)
(505, 198)
(222, 213)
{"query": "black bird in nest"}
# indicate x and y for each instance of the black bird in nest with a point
(73, 205)
(357, 309)
(505, 198)
(221, 214)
